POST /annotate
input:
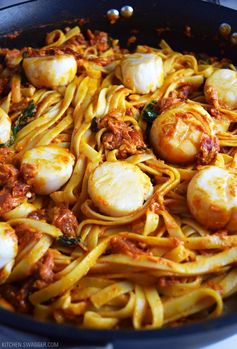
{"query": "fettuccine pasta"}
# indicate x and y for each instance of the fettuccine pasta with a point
(118, 177)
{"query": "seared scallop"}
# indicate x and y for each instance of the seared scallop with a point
(212, 198)
(47, 168)
(141, 72)
(5, 127)
(119, 188)
(223, 82)
(8, 250)
(176, 134)
(50, 71)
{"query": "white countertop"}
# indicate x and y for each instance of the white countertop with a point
(231, 4)
(229, 343)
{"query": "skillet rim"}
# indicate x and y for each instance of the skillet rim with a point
(68, 331)
(22, 321)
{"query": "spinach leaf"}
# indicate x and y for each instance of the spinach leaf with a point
(68, 241)
(25, 54)
(27, 113)
(149, 113)
(94, 125)
(23, 119)
(110, 41)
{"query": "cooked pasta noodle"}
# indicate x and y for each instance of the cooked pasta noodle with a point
(118, 180)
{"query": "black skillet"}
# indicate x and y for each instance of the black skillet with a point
(174, 15)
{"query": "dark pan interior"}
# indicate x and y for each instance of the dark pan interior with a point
(204, 19)
(149, 15)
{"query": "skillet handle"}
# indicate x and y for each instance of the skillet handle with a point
(9, 3)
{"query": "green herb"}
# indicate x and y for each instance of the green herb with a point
(149, 113)
(23, 119)
(232, 67)
(25, 54)
(94, 125)
(110, 41)
(67, 241)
